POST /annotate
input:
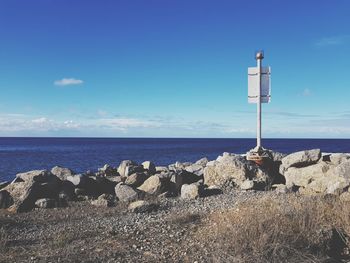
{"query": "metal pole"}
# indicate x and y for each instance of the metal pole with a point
(259, 58)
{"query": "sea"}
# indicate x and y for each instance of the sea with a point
(82, 154)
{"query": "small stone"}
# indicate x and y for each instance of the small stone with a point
(189, 191)
(247, 185)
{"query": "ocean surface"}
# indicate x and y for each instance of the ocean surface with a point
(82, 154)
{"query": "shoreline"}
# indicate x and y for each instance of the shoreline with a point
(182, 212)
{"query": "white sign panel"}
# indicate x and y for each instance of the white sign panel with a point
(253, 88)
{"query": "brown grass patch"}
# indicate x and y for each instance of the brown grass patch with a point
(284, 229)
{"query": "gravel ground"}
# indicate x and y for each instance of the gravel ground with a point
(84, 233)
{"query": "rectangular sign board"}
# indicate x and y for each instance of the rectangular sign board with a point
(253, 89)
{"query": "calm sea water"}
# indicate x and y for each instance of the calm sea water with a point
(82, 154)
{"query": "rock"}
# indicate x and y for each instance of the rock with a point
(136, 179)
(202, 162)
(181, 177)
(162, 169)
(155, 185)
(303, 176)
(102, 186)
(345, 197)
(104, 200)
(149, 167)
(276, 156)
(195, 169)
(142, 207)
(189, 191)
(79, 180)
(233, 170)
(61, 172)
(179, 166)
(128, 167)
(338, 158)
(67, 191)
(247, 185)
(115, 179)
(301, 159)
(4, 184)
(36, 185)
(107, 170)
(89, 185)
(40, 176)
(320, 178)
(45, 203)
(126, 193)
(6, 199)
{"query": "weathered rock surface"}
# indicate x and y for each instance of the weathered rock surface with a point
(107, 170)
(136, 179)
(126, 193)
(155, 185)
(320, 178)
(338, 158)
(61, 172)
(302, 158)
(129, 167)
(247, 185)
(149, 167)
(190, 191)
(142, 207)
(230, 170)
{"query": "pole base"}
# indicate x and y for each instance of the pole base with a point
(258, 155)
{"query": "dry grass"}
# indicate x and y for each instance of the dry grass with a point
(283, 229)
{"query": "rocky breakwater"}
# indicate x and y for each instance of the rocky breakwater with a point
(304, 172)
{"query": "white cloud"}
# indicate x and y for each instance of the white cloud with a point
(68, 81)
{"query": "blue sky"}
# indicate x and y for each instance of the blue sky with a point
(161, 68)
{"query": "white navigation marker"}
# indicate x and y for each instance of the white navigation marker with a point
(259, 91)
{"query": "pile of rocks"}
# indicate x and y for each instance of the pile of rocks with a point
(305, 172)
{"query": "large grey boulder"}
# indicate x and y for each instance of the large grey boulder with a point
(25, 194)
(61, 172)
(190, 191)
(195, 169)
(338, 158)
(181, 177)
(233, 170)
(40, 176)
(6, 199)
(301, 159)
(202, 162)
(107, 170)
(149, 167)
(126, 193)
(136, 179)
(128, 167)
(155, 185)
(320, 178)
(35, 185)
